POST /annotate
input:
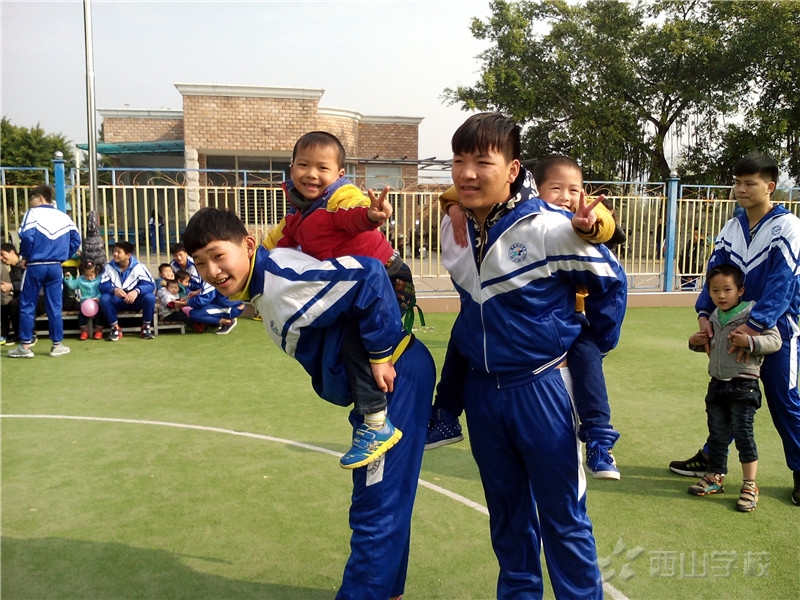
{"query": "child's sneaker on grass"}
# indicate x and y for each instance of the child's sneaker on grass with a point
(226, 328)
(711, 483)
(59, 350)
(748, 497)
(600, 461)
(369, 444)
(697, 466)
(443, 429)
(98, 334)
(20, 352)
(147, 332)
(83, 336)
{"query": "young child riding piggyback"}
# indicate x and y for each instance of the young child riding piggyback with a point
(559, 181)
(330, 218)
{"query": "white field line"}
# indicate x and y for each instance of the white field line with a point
(608, 588)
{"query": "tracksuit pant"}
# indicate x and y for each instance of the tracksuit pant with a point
(37, 276)
(524, 439)
(384, 491)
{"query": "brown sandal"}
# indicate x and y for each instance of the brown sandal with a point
(748, 497)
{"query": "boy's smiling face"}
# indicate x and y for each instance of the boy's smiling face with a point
(314, 169)
(225, 264)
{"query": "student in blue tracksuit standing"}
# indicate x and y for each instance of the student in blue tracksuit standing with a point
(47, 237)
(763, 240)
(306, 305)
(517, 280)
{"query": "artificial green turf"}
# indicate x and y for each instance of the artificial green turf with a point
(94, 509)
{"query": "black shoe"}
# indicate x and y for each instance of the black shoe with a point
(796, 490)
(697, 466)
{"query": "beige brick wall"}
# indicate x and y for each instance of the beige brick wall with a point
(144, 129)
(251, 125)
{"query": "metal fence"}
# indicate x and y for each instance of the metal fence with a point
(668, 241)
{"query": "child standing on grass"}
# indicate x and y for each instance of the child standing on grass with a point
(559, 181)
(307, 306)
(733, 393)
(330, 218)
(87, 290)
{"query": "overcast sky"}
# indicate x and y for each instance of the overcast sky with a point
(374, 57)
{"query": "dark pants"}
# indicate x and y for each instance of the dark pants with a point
(367, 397)
(731, 407)
(588, 382)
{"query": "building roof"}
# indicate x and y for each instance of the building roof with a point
(162, 147)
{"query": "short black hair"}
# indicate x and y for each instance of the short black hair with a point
(488, 131)
(164, 266)
(7, 247)
(544, 165)
(727, 270)
(212, 224)
(182, 274)
(45, 192)
(321, 139)
(126, 246)
(757, 163)
(177, 247)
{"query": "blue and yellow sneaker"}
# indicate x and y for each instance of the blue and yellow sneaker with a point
(370, 444)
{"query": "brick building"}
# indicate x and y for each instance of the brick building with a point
(232, 128)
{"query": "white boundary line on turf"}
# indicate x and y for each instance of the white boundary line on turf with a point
(608, 588)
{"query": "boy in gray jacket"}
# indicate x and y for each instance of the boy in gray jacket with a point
(734, 363)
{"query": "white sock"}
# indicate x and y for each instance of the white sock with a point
(375, 420)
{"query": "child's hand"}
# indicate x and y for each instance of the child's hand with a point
(584, 218)
(67, 275)
(700, 339)
(379, 207)
(741, 333)
(384, 375)
(458, 218)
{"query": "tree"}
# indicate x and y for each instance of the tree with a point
(607, 81)
(23, 147)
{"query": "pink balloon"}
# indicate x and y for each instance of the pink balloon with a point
(90, 307)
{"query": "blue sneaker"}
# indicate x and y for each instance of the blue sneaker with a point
(443, 429)
(600, 461)
(370, 444)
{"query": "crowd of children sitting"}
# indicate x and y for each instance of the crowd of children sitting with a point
(98, 292)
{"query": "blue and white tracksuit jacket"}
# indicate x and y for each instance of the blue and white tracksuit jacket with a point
(770, 262)
(135, 277)
(306, 305)
(47, 237)
(517, 320)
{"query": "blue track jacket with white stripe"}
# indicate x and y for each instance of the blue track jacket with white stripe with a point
(47, 235)
(771, 266)
(310, 327)
(135, 277)
(518, 302)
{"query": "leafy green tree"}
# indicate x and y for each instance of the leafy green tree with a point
(23, 147)
(609, 81)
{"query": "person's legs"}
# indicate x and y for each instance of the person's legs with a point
(513, 523)
(513, 430)
(779, 375)
(32, 283)
(384, 491)
(367, 397)
(591, 403)
(53, 298)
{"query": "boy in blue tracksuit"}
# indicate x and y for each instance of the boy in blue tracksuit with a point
(306, 306)
(47, 237)
(517, 280)
(763, 240)
(126, 284)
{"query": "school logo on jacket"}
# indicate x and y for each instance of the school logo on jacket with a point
(274, 328)
(517, 252)
(776, 230)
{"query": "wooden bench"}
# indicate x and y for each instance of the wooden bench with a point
(129, 322)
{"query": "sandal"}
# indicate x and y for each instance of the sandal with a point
(748, 497)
